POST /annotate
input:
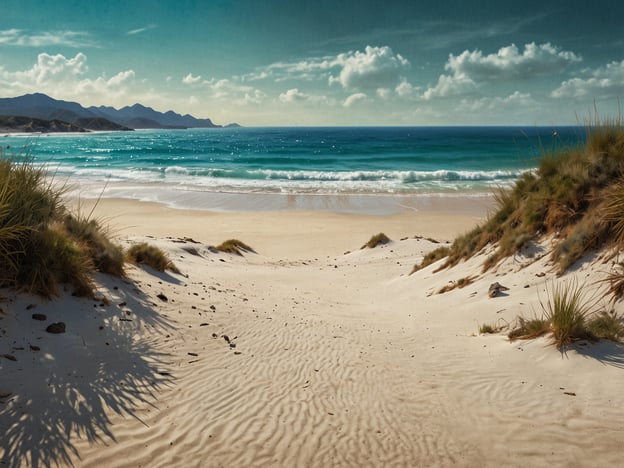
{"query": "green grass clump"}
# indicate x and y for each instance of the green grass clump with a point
(146, 254)
(107, 256)
(606, 326)
(432, 257)
(576, 195)
(569, 314)
(39, 247)
(529, 328)
(234, 246)
(566, 311)
(377, 239)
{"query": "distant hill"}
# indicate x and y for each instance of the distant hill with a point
(42, 106)
(33, 124)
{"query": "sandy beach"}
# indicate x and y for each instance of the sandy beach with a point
(309, 352)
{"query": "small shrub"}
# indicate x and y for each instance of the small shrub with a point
(377, 239)
(146, 254)
(527, 329)
(107, 256)
(607, 326)
(566, 311)
(431, 257)
(234, 246)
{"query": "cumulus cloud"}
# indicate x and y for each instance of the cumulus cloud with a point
(509, 62)
(191, 79)
(607, 81)
(293, 95)
(376, 67)
(364, 71)
(23, 38)
(450, 85)
(65, 78)
(354, 99)
(470, 69)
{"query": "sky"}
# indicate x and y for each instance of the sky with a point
(339, 62)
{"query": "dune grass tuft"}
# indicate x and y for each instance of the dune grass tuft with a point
(570, 314)
(576, 195)
(39, 245)
(377, 239)
(147, 254)
(234, 246)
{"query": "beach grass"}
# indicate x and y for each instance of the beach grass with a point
(377, 239)
(151, 255)
(41, 245)
(576, 195)
(234, 246)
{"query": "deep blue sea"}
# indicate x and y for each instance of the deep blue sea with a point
(386, 160)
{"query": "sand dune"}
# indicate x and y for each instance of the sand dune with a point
(303, 354)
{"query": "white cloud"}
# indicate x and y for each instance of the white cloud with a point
(376, 67)
(23, 38)
(293, 95)
(134, 32)
(450, 85)
(607, 81)
(471, 69)
(64, 78)
(354, 99)
(510, 63)
(404, 89)
(190, 79)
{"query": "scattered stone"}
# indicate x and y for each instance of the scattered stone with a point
(193, 354)
(10, 357)
(125, 320)
(569, 393)
(40, 317)
(214, 335)
(56, 328)
(122, 304)
(226, 338)
(232, 345)
(496, 289)
(31, 306)
(35, 348)
(213, 308)
(237, 353)
(540, 274)
(5, 394)
(162, 297)
(204, 324)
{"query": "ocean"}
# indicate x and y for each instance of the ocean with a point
(160, 165)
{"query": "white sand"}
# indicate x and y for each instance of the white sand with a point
(345, 360)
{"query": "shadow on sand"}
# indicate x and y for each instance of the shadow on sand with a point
(63, 386)
(606, 352)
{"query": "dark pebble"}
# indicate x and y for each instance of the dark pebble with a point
(40, 317)
(10, 357)
(162, 297)
(56, 328)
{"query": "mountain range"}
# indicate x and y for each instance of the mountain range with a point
(41, 106)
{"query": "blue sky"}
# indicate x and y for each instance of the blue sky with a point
(288, 62)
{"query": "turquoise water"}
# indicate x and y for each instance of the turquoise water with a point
(383, 160)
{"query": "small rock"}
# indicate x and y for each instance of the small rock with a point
(232, 345)
(35, 348)
(204, 324)
(226, 338)
(162, 297)
(40, 317)
(10, 357)
(31, 306)
(193, 354)
(56, 328)
(214, 335)
(496, 288)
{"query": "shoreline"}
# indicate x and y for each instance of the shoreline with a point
(476, 203)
